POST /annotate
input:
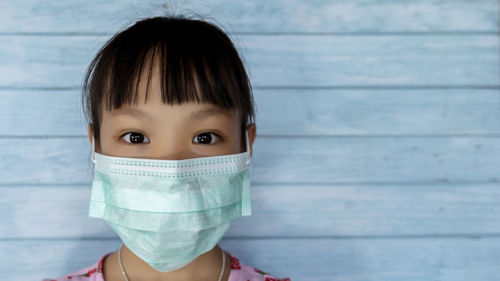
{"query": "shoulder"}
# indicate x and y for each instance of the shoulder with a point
(243, 272)
(89, 273)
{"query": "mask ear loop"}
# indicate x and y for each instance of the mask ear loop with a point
(93, 149)
(248, 146)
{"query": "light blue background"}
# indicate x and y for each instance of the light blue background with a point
(378, 147)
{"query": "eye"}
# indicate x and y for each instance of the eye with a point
(206, 138)
(134, 137)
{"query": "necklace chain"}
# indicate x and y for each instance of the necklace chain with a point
(220, 276)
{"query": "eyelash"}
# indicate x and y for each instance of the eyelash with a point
(217, 135)
(129, 132)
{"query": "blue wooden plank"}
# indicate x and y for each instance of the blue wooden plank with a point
(298, 160)
(49, 113)
(385, 259)
(282, 211)
(284, 112)
(257, 16)
(286, 61)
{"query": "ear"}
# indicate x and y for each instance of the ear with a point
(252, 133)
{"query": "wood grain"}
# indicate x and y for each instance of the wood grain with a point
(300, 160)
(296, 211)
(281, 16)
(292, 112)
(378, 128)
(310, 61)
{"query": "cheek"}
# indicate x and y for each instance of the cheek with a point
(105, 146)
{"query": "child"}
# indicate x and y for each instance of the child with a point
(171, 124)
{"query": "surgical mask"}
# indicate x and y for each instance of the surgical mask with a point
(169, 212)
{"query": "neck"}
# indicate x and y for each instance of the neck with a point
(205, 267)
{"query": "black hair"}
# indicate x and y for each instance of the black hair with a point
(198, 63)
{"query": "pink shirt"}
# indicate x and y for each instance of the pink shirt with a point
(239, 272)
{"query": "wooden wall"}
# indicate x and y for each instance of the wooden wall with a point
(378, 148)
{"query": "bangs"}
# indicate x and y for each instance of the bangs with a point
(195, 60)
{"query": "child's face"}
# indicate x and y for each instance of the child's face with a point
(161, 131)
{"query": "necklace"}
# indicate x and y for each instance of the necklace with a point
(220, 276)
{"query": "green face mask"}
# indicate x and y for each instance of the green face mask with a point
(169, 212)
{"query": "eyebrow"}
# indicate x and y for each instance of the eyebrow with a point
(204, 113)
(209, 112)
(134, 112)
